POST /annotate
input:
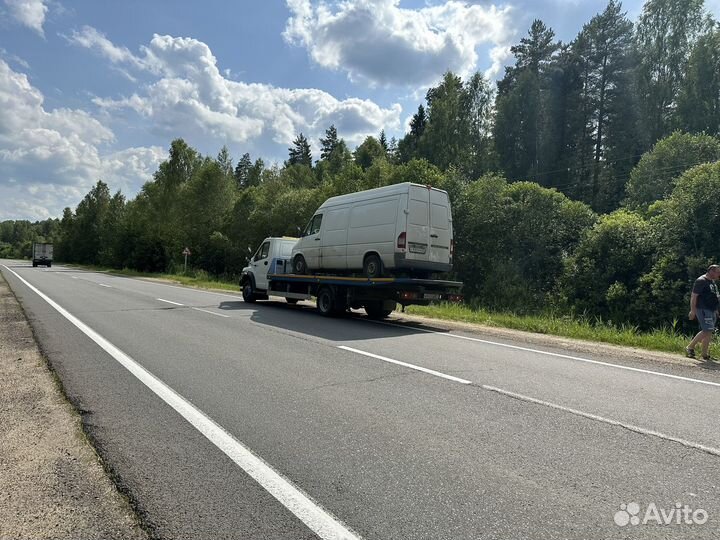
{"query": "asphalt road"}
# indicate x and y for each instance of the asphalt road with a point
(222, 419)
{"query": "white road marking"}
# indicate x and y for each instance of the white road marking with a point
(631, 427)
(103, 285)
(405, 364)
(547, 353)
(211, 312)
(169, 302)
(74, 277)
(319, 520)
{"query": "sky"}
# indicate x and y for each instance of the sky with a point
(97, 90)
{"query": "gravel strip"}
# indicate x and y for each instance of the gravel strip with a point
(52, 484)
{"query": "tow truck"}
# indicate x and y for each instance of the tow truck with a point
(269, 274)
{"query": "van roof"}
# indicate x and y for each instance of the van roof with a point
(292, 238)
(393, 189)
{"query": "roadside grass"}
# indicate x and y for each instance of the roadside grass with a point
(193, 278)
(664, 339)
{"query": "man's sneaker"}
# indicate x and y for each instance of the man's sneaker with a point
(708, 358)
(690, 353)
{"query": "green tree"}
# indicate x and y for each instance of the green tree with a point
(242, 171)
(520, 104)
(698, 108)
(666, 33)
(225, 161)
(444, 139)
(603, 276)
(512, 239)
(655, 175)
(300, 152)
(329, 143)
(370, 150)
(407, 148)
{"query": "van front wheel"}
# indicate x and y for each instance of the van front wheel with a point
(299, 265)
(372, 266)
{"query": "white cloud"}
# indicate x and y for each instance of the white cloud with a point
(30, 13)
(189, 95)
(90, 38)
(378, 42)
(49, 159)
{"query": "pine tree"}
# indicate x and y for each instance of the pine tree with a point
(666, 33)
(698, 108)
(520, 104)
(242, 170)
(329, 143)
(225, 161)
(300, 152)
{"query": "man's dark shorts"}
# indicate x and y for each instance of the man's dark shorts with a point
(707, 319)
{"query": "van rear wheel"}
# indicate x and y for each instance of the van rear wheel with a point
(372, 266)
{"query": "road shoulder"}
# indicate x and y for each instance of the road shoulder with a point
(54, 485)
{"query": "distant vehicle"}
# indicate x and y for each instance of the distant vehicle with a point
(42, 253)
(403, 228)
(269, 273)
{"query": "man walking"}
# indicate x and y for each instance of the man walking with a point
(704, 303)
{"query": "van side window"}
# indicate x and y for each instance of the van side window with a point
(314, 226)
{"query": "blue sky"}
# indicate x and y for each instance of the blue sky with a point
(92, 90)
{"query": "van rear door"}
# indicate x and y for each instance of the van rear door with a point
(440, 227)
(418, 224)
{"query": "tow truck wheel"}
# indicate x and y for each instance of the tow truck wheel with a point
(299, 265)
(248, 294)
(377, 311)
(326, 302)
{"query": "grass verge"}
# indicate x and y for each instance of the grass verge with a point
(193, 278)
(665, 339)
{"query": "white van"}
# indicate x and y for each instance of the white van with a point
(403, 227)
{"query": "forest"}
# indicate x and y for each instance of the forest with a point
(586, 181)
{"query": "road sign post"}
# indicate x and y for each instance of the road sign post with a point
(186, 252)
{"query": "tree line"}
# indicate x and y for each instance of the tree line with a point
(585, 182)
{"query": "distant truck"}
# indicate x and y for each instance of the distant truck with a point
(42, 253)
(402, 229)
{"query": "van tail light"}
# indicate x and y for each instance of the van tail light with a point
(452, 248)
(402, 240)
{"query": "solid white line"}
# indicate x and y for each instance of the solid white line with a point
(103, 285)
(405, 364)
(169, 302)
(211, 312)
(557, 355)
(320, 521)
(631, 427)
(74, 277)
